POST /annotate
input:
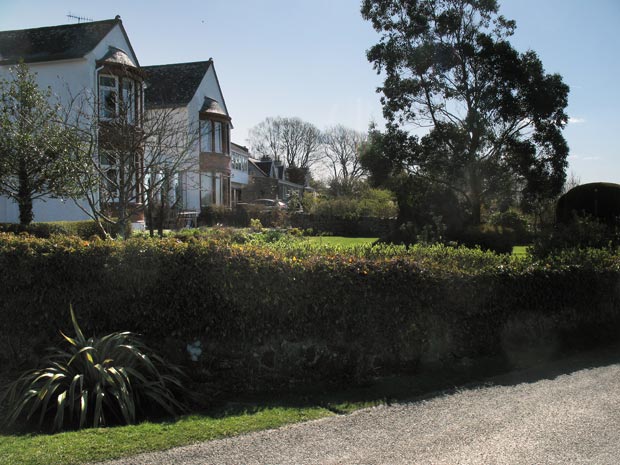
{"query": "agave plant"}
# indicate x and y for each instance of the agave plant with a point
(95, 382)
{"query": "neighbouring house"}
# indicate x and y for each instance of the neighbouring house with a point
(95, 58)
(194, 91)
(240, 159)
(268, 180)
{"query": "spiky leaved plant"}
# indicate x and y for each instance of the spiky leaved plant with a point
(94, 382)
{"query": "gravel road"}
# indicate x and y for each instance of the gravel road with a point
(572, 419)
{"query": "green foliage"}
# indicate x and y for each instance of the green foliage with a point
(83, 229)
(256, 225)
(273, 315)
(495, 115)
(584, 232)
(94, 382)
(368, 202)
(496, 238)
(513, 220)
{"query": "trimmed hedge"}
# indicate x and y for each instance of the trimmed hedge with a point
(266, 317)
(83, 229)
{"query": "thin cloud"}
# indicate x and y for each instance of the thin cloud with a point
(591, 158)
(573, 120)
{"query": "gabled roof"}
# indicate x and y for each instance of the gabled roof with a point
(52, 43)
(266, 166)
(254, 167)
(173, 85)
(240, 148)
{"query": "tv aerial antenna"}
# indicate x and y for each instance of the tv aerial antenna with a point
(79, 19)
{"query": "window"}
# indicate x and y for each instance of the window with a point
(112, 102)
(108, 96)
(206, 189)
(239, 162)
(111, 183)
(206, 142)
(218, 137)
(129, 101)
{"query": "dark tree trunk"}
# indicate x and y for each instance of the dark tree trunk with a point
(475, 210)
(24, 198)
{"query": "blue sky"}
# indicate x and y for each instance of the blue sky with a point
(306, 58)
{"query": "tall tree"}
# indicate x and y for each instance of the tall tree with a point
(341, 147)
(291, 140)
(35, 145)
(493, 115)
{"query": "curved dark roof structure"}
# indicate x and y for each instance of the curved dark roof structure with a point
(212, 106)
(598, 199)
(118, 57)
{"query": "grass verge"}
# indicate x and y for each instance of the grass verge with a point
(92, 445)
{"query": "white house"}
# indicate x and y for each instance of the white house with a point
(239, 177)
(193, 90)
(93, 57)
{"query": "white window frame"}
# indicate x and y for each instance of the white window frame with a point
(102, 98)
(217, 131)
(206, 135)
(128, 97)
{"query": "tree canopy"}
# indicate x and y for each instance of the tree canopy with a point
(493, 116)
(291, 140)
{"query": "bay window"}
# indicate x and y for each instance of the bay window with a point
(206, 136)
(108, 96)
(118, 96)
(218, 137)
(213, 136)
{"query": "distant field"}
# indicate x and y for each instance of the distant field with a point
(342, 241)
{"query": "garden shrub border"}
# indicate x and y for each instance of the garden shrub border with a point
(261, 317)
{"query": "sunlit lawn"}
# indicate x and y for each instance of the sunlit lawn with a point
(520, 250)
(342, 241)
(99, 444)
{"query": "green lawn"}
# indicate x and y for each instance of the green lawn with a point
(341, 241)
(520, 250)
(108, 443)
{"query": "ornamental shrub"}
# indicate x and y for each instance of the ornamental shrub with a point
(583, 232)
(114, 379)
